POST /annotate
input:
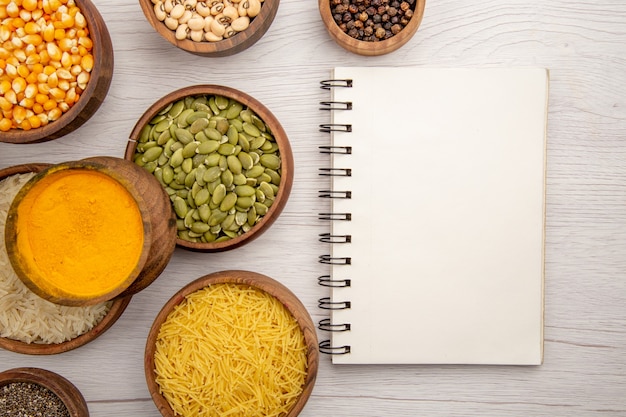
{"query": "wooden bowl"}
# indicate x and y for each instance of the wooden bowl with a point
(117, 308)
(158, 228)
(59, 385)
(91, 98)
(255, 280)
(281, 139)
(228, 46)
(371, 48)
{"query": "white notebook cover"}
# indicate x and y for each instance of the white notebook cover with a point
(447, 215)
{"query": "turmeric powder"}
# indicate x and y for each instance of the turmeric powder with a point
(79, 234)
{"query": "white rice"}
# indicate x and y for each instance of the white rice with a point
(25, 316)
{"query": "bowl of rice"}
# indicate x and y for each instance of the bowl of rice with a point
(28, 323)
(234, 342)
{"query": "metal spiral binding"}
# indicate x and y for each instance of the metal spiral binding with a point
(328, 238)
(335, 216)
(327, 325)
(328, 84)
(335, 105)
(335, 194)
(345, 150)
(327, 348)
(327, 281)
(327, 303)
(336, 172)
(335, 127)
(329, 260)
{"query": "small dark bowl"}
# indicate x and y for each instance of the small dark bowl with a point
(59, 385)
(371, 48)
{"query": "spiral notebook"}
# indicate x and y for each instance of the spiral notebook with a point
(436, 226)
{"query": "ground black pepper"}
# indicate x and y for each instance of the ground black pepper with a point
(372, 20)
(26, 399)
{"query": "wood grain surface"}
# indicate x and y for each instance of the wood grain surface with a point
(582, 42)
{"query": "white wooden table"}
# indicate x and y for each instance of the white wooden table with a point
(582, 42)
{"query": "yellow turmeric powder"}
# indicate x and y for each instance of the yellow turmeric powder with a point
(79, 234)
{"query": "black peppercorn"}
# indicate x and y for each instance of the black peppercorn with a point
(372, 20)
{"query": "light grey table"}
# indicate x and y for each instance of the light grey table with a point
(583, 43)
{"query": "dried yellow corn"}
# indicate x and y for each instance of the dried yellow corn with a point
(45, 61)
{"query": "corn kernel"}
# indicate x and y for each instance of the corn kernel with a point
(43, 88)
(54, 114)
(31, 28)
(49, 70)
(57, 93)
(63, 106)
(27, 103)
(53, 51)
(40, 98)
(25, 125)
(5, 125)
(59, 33)
(66, 60)
(33, 39)
(64, 85)
(49, 105)
(29, 5)
(53, 80)
(34, 121)
(30, 91)
(19, 114)
(18, 22)
(18, 85)
(12, 9)
(87, 62)
(22, 70)
(20, 55)
(26, 15)
(31, 78)
(10, 70)
(37, 108)
(11, 96)
(5, 85)
(48, 32)
(5, 105)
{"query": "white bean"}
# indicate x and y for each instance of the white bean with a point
(212, 37)
(241, 23)
(217, 28)
(196, 23)
(178, 11)
(171, 23)
(196, 35)
(159, 11)
(254, 7)
(185, 17)
(202, 9)
(181, 32)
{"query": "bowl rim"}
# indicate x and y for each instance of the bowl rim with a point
(369, 48)
(67, 392)
(20, 266)
(89, 102)
(261, 282)
(240, 41)
(280, 135)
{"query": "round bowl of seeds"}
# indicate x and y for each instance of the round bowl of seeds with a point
(30, 324)
(232, 342)
(211, 27)
(371, 27)
(57, 66)
(39, 392)
(224, 160)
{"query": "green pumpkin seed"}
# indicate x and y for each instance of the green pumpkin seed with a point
(177, 158)
(222, 126)
(251, 129)
(221, 102)
(198, 125)
(244, 191)
(180, 207)
(152, 154)
(184, 136)
(270, 161)
(228, 202)
(227, 178)
(234, 164)
(208, 147)
(261, 208)
(218, 194)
